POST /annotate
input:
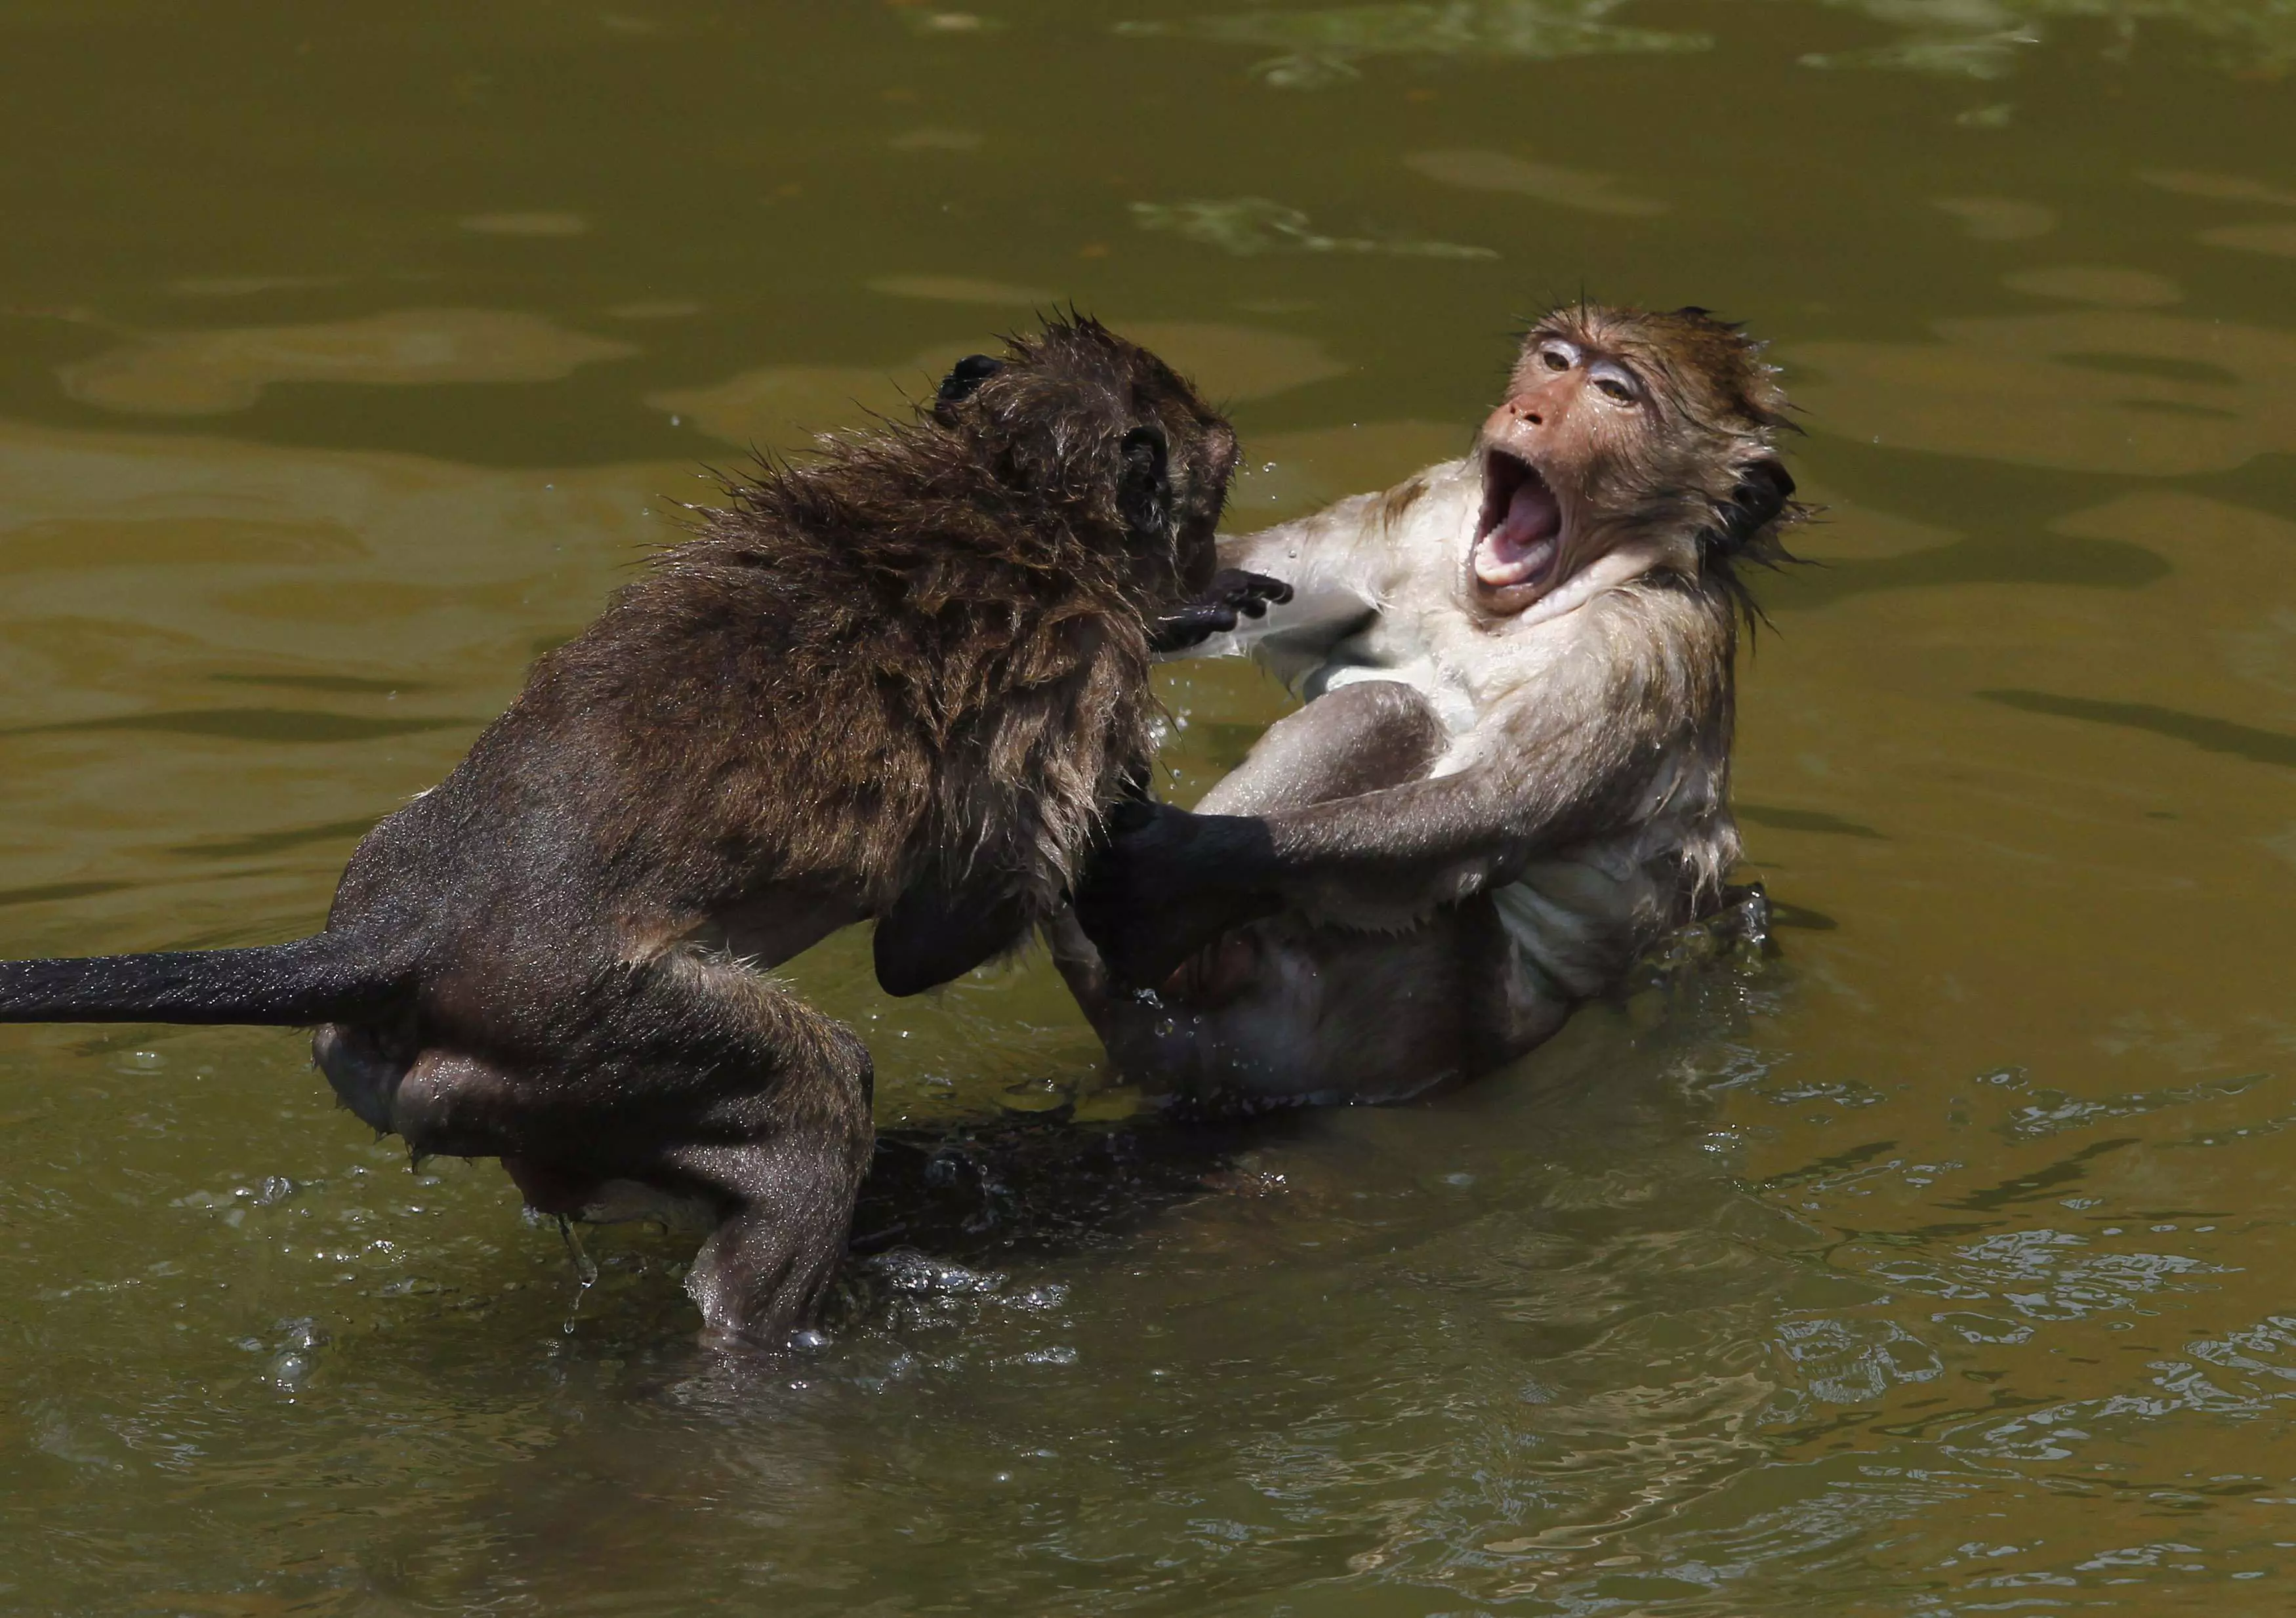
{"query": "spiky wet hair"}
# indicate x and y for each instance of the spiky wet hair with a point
(1073, 453)
(1062, 403)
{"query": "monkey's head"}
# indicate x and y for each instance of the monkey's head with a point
(1627, 427)
(1082, 425)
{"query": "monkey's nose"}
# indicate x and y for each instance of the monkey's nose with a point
(1521, 414)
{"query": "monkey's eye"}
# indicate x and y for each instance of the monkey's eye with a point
(1615, 384)
(1556, 357)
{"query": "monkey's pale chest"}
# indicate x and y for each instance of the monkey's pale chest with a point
(1381, 655)
(1462, 671)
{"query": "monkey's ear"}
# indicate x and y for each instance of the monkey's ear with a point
(1764, 488)
(1144, 490)
(967, 375)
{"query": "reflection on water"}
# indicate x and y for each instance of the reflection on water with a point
(527, 224)
(958, 288)
(1321, 47)
(1984, 38)
(2277, 237)
(1963, 38)
(937, 140)
(1566, 187)
(2217, 187)
(1248, 227)
(211, 372)
(2218, 736)
(2099, 283)
(785, 406)
(2089, 392)
(1998, 218)
(1981, 39)
(1288, 473)
(1934, 1264)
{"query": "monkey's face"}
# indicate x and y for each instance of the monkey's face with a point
(1109, 438)
(1617, 424)
(1200, 458)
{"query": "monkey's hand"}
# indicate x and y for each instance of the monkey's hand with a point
(935, 933)
(1234, 594)
(1168, 883)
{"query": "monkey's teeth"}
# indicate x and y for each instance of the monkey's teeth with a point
(1499, 572)
(1521, 546)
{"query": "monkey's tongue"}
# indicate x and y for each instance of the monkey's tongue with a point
(1523, 544)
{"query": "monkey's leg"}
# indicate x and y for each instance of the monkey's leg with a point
(785, 1151)
(1361, 737)
(691, 1075)
(1509, 1002)
(764, 1271)
(1079, 965)
(763, 1103)
(365, 1067)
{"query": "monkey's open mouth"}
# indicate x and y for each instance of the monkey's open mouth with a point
(1520, 536)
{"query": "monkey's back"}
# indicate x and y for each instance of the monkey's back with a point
(777, 703)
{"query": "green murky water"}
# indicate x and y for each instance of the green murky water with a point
(349, 353)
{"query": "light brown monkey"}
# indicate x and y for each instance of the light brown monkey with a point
(1511, 774)
(905, 681)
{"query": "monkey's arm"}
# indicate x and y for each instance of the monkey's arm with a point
(935, 933)
(1170, 882)
(1338, 568)
(1559, 762)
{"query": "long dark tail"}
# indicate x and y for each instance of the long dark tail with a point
(326, 979)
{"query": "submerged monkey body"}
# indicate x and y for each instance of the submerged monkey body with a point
(1512, 773)
(1358, 991)
(903, 682)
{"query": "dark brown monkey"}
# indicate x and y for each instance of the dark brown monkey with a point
(905, 681)
(1511, 774)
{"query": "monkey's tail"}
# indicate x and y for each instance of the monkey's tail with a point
(324, 979)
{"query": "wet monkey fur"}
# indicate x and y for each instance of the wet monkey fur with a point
(907, 681)
(1512, 773)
